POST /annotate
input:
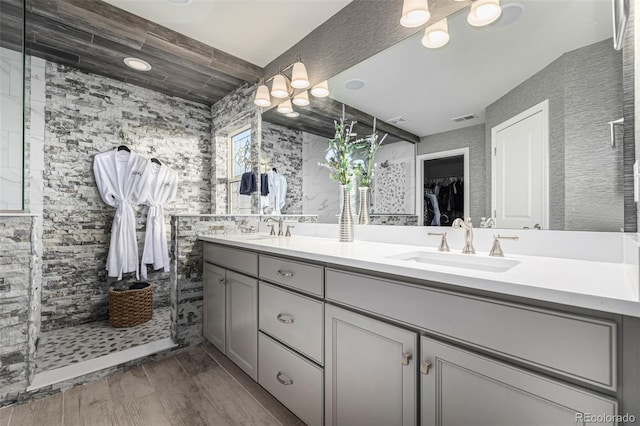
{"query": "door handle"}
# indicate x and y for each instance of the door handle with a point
(279, 378)
(425, 366)
(406, 357)
(284, 318)
(286, 274)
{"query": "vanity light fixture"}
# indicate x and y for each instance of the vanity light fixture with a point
(414, 13)
(280, 87)
(301, 99)
(320, 90)
(137, 64)
(285, 107)
(484, 12)
(293, 114)
(299, 78)
(436, 35)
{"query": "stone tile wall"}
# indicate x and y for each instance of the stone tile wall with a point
(87, 114)
(19, 284)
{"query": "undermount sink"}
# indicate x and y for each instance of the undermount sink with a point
(258, 237)
(465, 261)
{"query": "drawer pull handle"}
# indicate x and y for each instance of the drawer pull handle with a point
(425, 366)
(286, 274)
(222, 281)
(406, 357)
(282, 381)
(284, 318)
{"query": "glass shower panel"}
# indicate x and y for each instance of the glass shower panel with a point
(11, 105)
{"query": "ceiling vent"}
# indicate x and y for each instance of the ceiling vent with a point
(464, 118)
(397, 120)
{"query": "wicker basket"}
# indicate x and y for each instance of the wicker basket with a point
(130, 307)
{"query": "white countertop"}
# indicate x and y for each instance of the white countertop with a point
(602, 286)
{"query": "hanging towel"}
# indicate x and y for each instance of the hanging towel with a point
(264, 184)
(248, 184)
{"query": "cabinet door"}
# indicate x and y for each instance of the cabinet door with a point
(213, 305)
(461, 388)
(370, 371)
(242, 322)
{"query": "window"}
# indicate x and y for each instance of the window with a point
(239, 163)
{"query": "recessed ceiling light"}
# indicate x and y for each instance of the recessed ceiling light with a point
(510, 14)
(137, 64)
(182, 2)
(354, 84)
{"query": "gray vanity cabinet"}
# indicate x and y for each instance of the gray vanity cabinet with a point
(214, 302)
(370, 371)
(459, 388)
(230, 305)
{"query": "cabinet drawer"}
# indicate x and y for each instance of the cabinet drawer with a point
(294, 381)
(581, 348)
(295, 320)
(238, 260)
(292, 274)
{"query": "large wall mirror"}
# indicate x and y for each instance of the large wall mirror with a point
(509, 121)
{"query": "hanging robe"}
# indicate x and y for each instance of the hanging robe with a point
(121, 178)
(162, 190)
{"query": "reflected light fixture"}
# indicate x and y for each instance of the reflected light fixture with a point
(320, 90)
(280, 87)
(299, 79)
(414, 13)
(484, 12)
(301, 99)
(293, 114)
(262, 96)
(436, 35)
(285, 107)
(137, 64)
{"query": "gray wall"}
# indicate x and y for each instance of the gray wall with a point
(584, 88)
(87, 114)
(472, 137)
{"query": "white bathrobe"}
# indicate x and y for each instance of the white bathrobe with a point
(277, 191)
(122, 178)
(163, 186)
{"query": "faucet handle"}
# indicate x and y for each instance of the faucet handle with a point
(496, 250)
(273, 231)
(443, 242)
(288, 233)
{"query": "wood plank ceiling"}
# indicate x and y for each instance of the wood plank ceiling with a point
(95, 36)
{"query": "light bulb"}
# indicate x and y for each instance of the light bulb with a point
(285, 107)
(414, 13)
(484, 12)
(299, 79)
(436, 35)
(262, 98)
(280, 87)
(293, 114)
(301, 99)
(320, 90)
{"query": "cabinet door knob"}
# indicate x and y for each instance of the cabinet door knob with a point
(286, 381)
(425, 366)
(222, 281)
(285, 273)
(284, 318)
(406, 358)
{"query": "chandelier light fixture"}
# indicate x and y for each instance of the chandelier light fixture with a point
(436, 35)
(320, 90)
(484, 12)
(301, 99)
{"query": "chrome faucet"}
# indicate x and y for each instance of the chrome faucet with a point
(488, 223)
(468, 234)
(245, 227)
(280, 233)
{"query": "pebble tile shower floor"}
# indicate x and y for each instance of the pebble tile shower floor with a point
(66, 346)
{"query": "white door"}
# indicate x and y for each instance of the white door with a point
(520, 170)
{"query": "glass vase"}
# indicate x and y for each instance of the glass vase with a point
(363, 212)
(345, 221)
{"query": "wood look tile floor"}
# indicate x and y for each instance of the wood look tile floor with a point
(198, 387)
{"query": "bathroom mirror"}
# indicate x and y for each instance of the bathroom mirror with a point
(551, 60)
